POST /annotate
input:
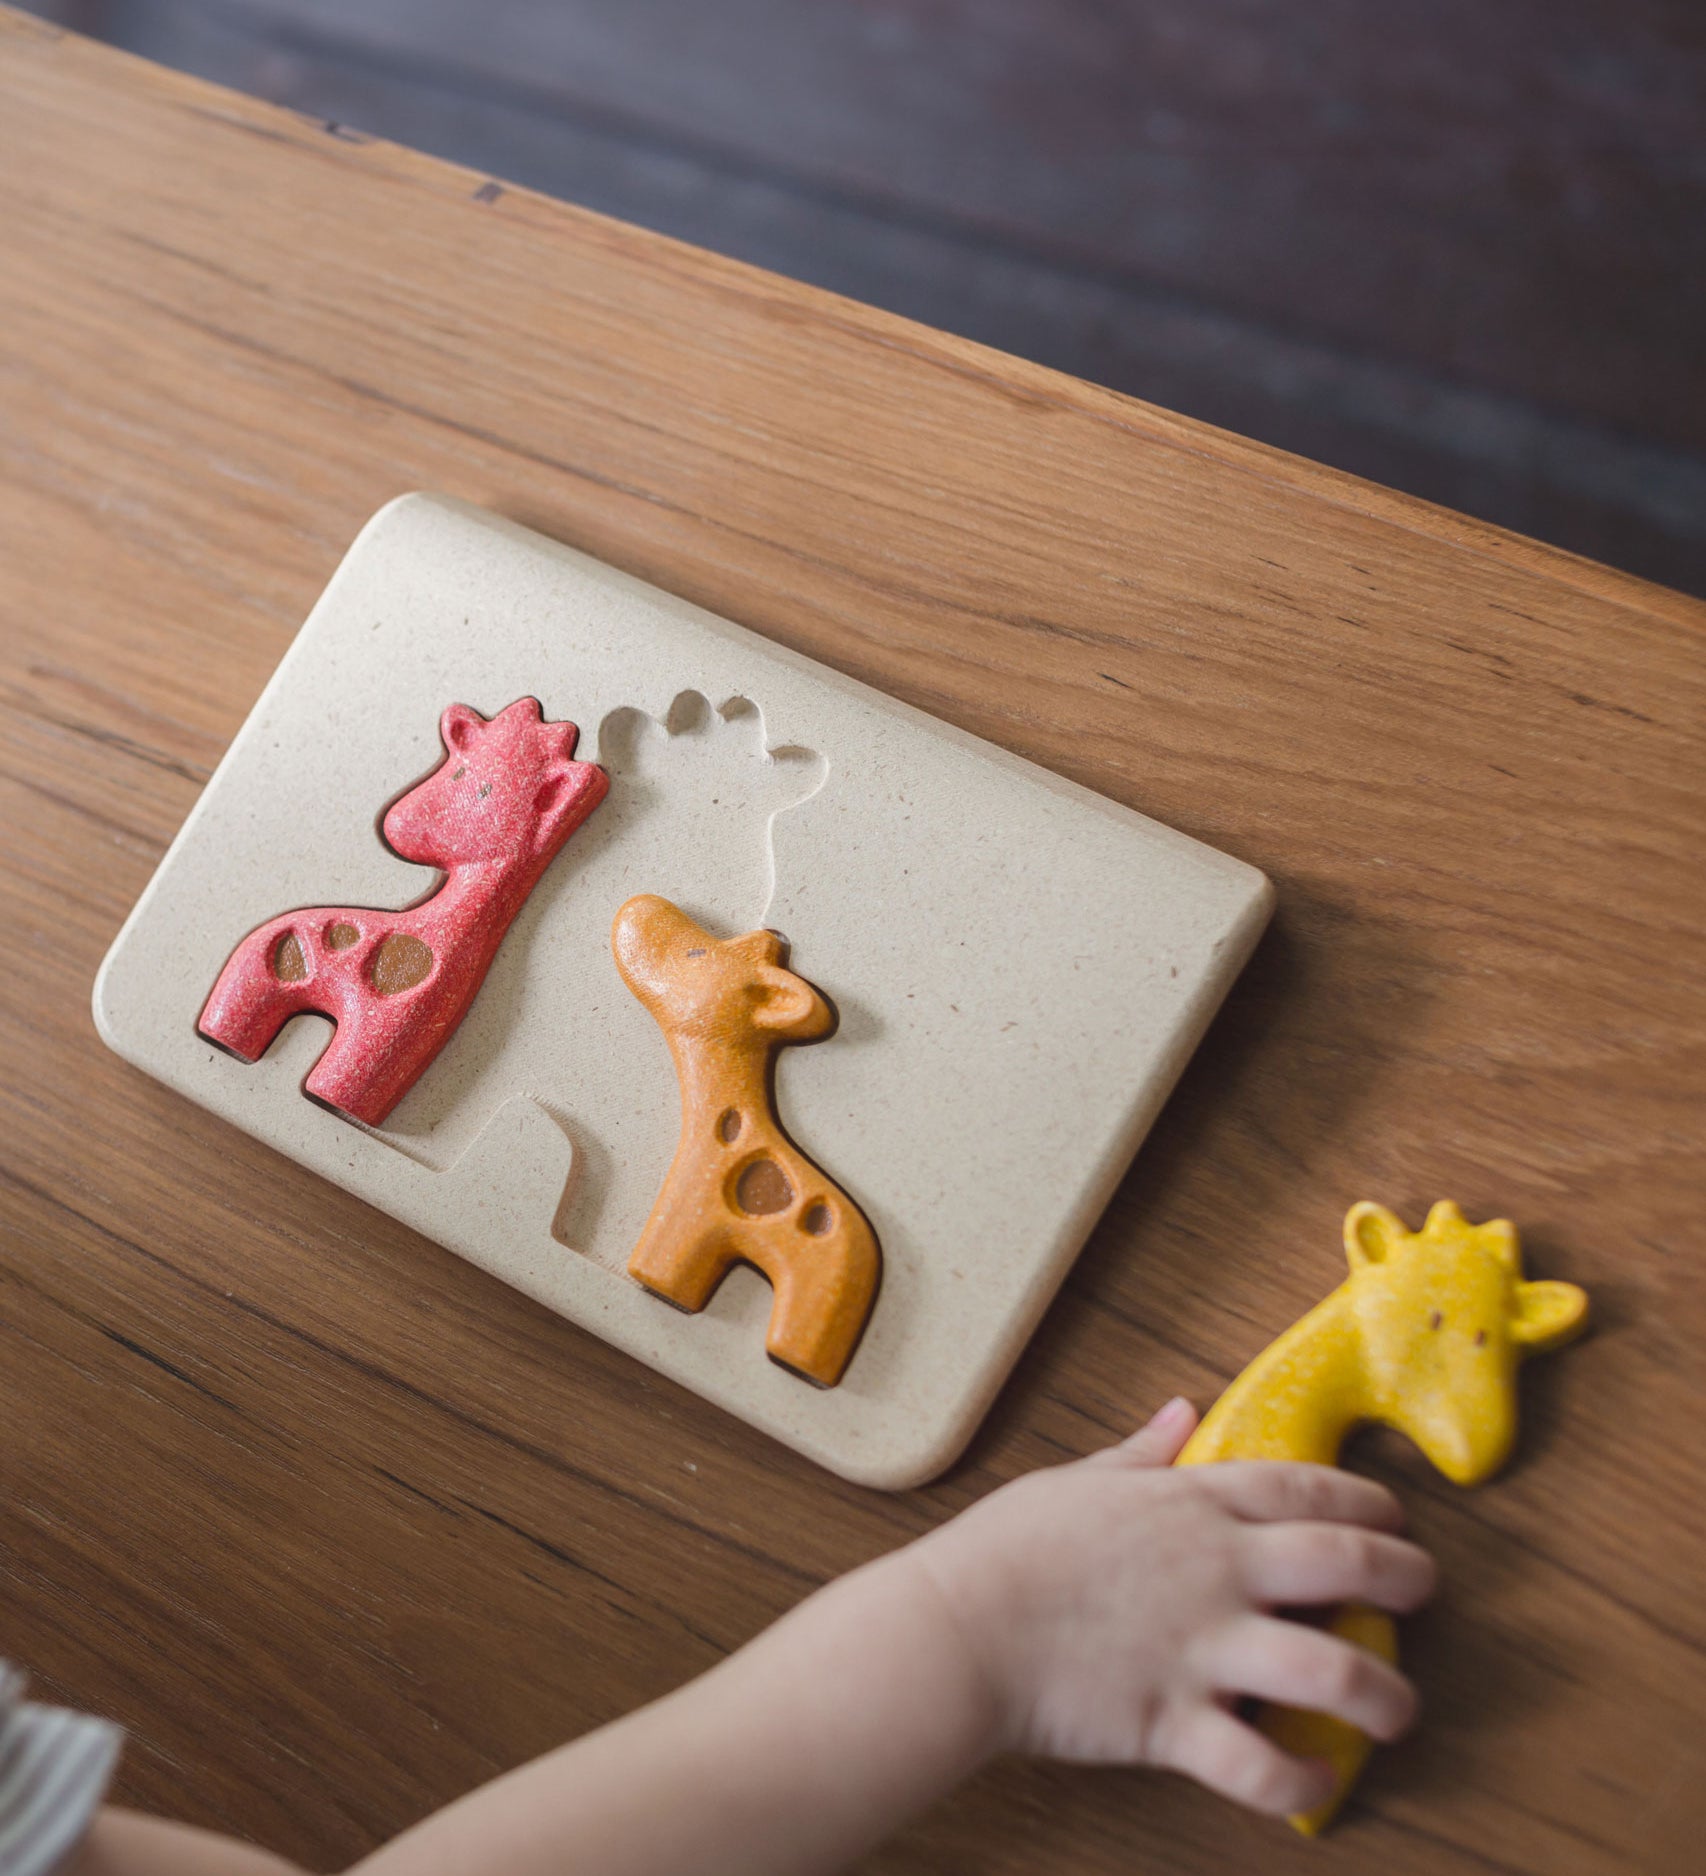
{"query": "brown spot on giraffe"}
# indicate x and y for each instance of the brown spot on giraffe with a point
(400, 963)
(288, 964)
(763, 1188)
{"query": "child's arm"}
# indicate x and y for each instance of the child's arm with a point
(813, 1742)
(126, 1843)
(1108, 1611)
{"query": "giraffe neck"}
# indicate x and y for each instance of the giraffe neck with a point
(1298, 1398)
(718, 1074)
(481, 897)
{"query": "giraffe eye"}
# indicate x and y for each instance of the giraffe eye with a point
(1435, 1320)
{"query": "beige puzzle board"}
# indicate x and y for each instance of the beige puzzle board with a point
(1021, 967)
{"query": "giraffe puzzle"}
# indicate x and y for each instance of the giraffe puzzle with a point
(738, 1190)
(491, 817)
(1425, 1335)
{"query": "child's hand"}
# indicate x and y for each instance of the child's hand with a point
(1117, 1608)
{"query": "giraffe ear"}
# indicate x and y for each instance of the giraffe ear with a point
(788, 1003)
(1545, 1314)
(559, 786)
(1372, 1234)
(459, 726)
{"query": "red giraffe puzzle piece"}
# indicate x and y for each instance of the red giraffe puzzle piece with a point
(491, 817)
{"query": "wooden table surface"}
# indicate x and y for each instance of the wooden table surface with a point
(338, 1526)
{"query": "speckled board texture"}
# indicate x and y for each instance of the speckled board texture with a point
(1020, 967)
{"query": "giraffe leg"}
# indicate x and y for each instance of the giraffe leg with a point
(825, 1287)
(344, 1078)
(257, 993)
(1319, 1735)
(372, 1061)
(682, 1266)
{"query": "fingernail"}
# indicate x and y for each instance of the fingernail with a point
(1174, 1414)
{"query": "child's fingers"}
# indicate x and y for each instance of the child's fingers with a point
(1235, 1760)
(1316, 1563)
(1286, 1491)
(1158, 1442)
(1305, 1667)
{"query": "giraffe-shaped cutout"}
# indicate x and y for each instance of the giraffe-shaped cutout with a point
(1425, 1335)
(738, 1190)
(698, 790)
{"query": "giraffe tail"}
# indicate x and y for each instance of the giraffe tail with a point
(1319, 1735)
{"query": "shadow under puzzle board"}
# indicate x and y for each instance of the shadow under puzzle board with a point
(1021, 967)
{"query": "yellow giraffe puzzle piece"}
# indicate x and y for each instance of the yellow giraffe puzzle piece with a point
(1425, 1335)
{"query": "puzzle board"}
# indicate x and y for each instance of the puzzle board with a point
(1021, 967)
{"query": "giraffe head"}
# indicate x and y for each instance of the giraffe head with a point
(1443, 1317)
(732, 989)
(507, 788)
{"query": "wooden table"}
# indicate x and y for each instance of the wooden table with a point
(338, 1526)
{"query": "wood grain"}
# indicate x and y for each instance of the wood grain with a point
(336, 1525)
(1455, 248)
(1544, 171)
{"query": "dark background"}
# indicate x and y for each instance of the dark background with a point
(1458, 246)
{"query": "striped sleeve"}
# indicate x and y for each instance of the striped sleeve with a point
(54, 1766)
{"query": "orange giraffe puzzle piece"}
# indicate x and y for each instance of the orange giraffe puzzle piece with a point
(738, 1189)
(1425, 1335)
